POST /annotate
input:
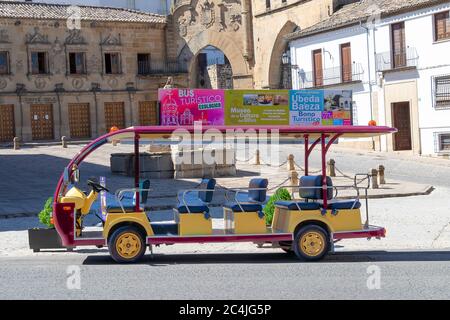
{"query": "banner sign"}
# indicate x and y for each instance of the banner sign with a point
(256, 107)
(320, 107)
(185, 106)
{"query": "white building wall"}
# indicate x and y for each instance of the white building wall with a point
(361, 43)
(434, 60)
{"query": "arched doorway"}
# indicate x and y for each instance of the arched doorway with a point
(212, 69)
(208, 41)
(279, 70)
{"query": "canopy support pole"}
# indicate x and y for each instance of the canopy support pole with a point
(308, 151)
(325, 148)
(137, 171)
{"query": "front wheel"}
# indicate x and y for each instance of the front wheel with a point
(126, 245)
(311, 243)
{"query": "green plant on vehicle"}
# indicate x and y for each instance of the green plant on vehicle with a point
(281, 194)
(46, 214)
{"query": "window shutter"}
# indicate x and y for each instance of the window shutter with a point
(442, 25)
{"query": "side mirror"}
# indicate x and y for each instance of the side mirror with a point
(75, 175)
(66, 176)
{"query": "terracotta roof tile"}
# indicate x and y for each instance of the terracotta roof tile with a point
(30, 10)
(360, 11)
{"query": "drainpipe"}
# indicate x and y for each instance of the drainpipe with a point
(246, 23)
(94, 91)
(370, 74)
(58, 90)
(20, 88)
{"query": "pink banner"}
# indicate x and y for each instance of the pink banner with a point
(182, 107)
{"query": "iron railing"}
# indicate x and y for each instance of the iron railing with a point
(331, 76)
(407, 58)
(155, 67)
(442, 92)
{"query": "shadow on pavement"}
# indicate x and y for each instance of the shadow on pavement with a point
(265, 258)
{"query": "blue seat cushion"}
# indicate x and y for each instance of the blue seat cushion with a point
(198, 208)
(343, 205)
(292, 205)
(248, 207)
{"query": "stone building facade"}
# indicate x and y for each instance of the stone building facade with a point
(58, 78)
(77, 73)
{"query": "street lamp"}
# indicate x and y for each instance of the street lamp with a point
(285, 58)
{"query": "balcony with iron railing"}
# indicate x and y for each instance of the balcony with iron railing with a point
(146, 68)
(331, 76)
(389, 61)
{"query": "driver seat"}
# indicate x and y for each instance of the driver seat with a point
(144, 186)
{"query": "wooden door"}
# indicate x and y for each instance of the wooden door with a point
(7, 126)
(346, 62)
(398, 45)
(318, 68)
(148, 115)
(42, 121)
(79, 120)
(114, 115)
(402, 121)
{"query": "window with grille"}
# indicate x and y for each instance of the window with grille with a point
(442, 26)
(143, 60)
(39, 63)
(442, 92)
(443, 142)
(4, 62)
(77, 63)
(112, 63)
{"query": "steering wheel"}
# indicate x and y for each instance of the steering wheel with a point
(97, 187)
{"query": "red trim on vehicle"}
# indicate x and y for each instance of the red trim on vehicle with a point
(90, 242)
(376, 232)
(224, 238)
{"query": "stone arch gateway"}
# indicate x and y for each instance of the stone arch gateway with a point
(226, 25)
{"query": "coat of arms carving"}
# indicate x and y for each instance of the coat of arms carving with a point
(235, 21)
(75, 37)
(207, 14)
(37, 37)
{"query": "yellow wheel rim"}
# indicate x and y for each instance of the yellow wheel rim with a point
(312, 243)
(128, 245)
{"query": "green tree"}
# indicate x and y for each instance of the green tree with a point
(269, 209)
(46, 214)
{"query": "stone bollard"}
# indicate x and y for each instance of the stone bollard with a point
(64, 141)
(290, 163)
(374, 176)
(257, 158)
(331, 168)
(381, 179)
(293, 176)
(16, 143)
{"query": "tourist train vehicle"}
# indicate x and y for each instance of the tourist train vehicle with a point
(308, 226)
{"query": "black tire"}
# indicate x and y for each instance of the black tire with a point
(321, 240)
(121, 234)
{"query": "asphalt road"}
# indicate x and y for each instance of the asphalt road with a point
(402, 275)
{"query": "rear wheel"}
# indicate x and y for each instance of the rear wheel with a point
(311, 243)
(126, 245)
